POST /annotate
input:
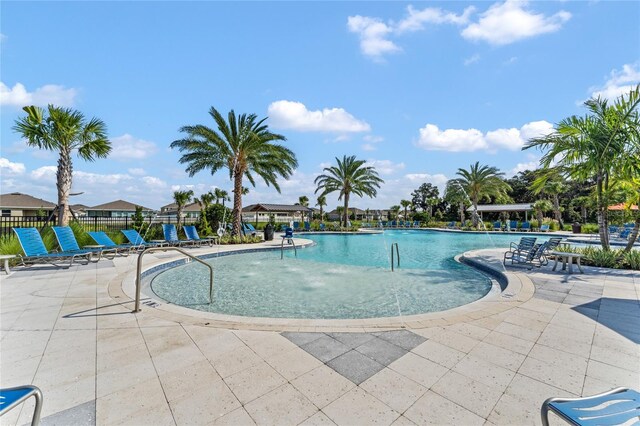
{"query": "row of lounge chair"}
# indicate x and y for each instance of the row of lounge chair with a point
(36, 252)
(529, 253)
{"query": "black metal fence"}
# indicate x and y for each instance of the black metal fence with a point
(108, 224)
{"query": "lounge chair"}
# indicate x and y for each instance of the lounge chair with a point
(624, 233)
(544, 228)
(192, 235)
(615, 407)
(101, 238)
(535, 257)
(307, 226)
(12, 397)
(248, 229)
(171, 236)
(35, 251)
(136, 239)
(518, 249)
(296, 226)
(513, 225)
(497, 225)
(416, 224)
(68, 243)
(322, 227)
(613, 229)
(526, 226)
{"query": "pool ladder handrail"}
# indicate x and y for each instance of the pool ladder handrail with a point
(397, 253)
(290, 241)
(152, 249)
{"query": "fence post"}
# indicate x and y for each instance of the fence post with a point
(126, 222)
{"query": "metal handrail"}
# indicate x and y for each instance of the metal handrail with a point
(397, 253)
(152, 249)
(291, 241)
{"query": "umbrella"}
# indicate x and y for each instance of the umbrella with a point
(622, 206)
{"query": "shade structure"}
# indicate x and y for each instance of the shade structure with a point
(622, 206)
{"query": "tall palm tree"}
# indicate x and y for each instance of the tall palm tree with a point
(243, 145)
(604, 145)
(395, 211)
(481, 182)
(349, 176)
(321, 202)
(205, 200)
(221, 194)
(303, 200)
(405, 204)
(552, 186)
(181, 198)
(454, 194)
(540, 207)
(64, 130)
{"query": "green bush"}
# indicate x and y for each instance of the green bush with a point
(632, 259)
(602, 258)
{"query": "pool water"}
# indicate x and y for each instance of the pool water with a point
(341, 276)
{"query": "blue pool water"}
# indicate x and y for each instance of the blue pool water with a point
(341, 276)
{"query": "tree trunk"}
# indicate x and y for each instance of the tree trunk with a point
(461, 213)
(474, 215)
(603, 226)
(320, 212)
(179, 218)
(346, 209)
(64, 180)
(237, 202)
(633, 236)
(540, 218)
(556, 210)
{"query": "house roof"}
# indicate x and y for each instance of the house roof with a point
(261, 207)
(23, 201)
(503, 208)
(118, 205)
(354, 210)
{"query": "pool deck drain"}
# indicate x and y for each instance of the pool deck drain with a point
(71, 332)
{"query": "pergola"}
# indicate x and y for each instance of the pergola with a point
(497, 208)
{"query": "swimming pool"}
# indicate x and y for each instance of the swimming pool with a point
(341, 276)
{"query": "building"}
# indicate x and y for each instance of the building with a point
(18, 204)
(281, 213)
(189, 211)
(118, 208)
(360, 214)
(499, 208)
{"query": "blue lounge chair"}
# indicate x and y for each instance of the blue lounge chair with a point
(101, 238)
(526, 226)
(136, 239)
(513, 225)
(613, 229)
(322, 227)
(307, 226)
(416, 224)
(68, 243)
(544, 228)
(248, 229)
(615, 407)
(536, 256)
(12, 397)
(296, 226)
(35, 251)
(497, 225)
(171, 236)
(524, 247)
(192, 235)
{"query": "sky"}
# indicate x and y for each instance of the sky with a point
(417, 89)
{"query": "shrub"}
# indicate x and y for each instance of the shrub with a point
(632, 259)
(598, 257)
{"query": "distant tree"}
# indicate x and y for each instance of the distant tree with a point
(583, 203)
(349, 176)
(540, 207)
(243, 145)
(321, 202)
(481, 182)
(425, 197)
(138, 218)
(181, 198)
(455, 195)
(221, 194)
(551, 184)
(521, 187)
(405, 204)
(394, 212)
(64, 130)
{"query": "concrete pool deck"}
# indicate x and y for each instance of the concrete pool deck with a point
(71, 332)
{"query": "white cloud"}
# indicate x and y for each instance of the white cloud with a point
(511, 21)
(368, 147)
(469, 140)
(126, 147)
(136, 171)
(46, 173)
(374, 33)
(521, 167)
(619, 82)
(8, 168)
(296, 116)
(18, 96)
(472, 60)
(385, 167)
(81, 178)
(371, 141)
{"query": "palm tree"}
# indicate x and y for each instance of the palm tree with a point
(395, 211)
(349, 176)
(540, 207)
(303, 200)
(321, 202)
(481, 182)
(454, 194)
(221, 194)
(551, 184)
(405, 204)
(181, 198)
(603, 145)
(243, 145)
(64, 130)
(205, 200)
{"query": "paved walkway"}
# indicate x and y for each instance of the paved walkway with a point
(97, 363)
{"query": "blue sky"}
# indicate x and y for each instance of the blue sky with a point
(416, 89)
